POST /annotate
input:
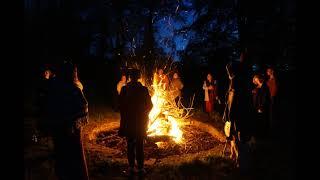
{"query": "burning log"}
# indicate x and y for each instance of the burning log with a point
(163, 138)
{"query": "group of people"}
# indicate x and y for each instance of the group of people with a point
(250, 110)
(263, 95)
(63, 113)
(173, 85)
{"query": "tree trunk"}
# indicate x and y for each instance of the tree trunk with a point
(148, 45)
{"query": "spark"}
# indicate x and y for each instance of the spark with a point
(177, 8)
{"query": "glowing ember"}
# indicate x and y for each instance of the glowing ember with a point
(163, 119)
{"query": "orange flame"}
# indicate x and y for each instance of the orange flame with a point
(162, 119)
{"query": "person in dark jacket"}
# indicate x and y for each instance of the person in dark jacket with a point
(42, 98)
(68, 111)
(261, 104)
(135, 105)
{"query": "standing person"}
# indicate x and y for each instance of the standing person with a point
(273, 86)
(261, 105)
(176, 87)
(45, 79)
(272, 83)
(209, 95)
(68, 111)
(162, 79)
(239, 111)
(229, 115)
(135, 105)
(41, 100)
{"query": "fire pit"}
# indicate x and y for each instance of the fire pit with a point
(198, 138)
(171, 130)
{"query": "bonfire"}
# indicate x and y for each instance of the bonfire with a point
(166, 117)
